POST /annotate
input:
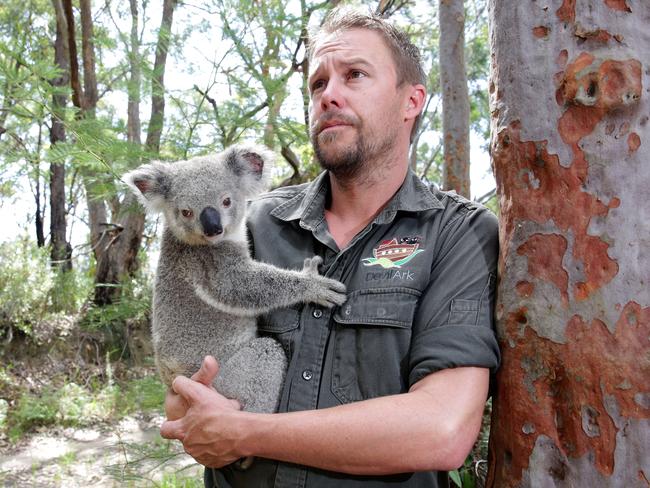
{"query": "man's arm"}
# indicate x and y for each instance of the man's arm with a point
(431, 427)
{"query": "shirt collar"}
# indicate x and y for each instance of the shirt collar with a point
(308, 205)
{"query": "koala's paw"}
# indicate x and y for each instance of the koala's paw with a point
(328, 292)
(310, 266)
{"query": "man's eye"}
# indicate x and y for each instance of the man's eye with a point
(318, 84)
(356, 74)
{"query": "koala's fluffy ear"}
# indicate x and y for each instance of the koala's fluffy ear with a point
(252, 164)
(151, 183)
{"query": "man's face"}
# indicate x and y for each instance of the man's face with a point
(355, 102)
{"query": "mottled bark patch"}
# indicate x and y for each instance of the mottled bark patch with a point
(525, 289)
(600, 36)
(567, 384)
(541, 31)
(620, 5)
(567, 11)
(536, 187)
(633, 142)
(544, 253)
(605, 84)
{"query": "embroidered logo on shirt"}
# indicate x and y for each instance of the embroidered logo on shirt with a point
(394, 254)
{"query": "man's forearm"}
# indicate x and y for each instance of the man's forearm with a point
(430, 428)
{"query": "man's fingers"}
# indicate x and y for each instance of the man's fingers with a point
(207, 372)
(171, 429)
(190, 390)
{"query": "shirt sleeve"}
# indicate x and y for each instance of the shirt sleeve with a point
(454, 323)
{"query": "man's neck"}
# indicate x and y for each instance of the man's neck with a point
(355, 204)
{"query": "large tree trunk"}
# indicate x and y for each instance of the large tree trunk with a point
(455, 97)
(570, 105)
(60, 248)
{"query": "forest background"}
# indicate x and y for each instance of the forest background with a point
(89, 90)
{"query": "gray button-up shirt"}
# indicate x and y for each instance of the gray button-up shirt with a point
(420, 284)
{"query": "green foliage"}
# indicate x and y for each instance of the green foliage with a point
(33, 292)
(178, 480)
(77, 406)
(4, 408)
(70, 289)
(25, 281)
(144, 394)
(133, 307)
(143, 462)
(32, 411)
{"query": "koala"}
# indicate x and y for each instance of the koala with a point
(208, 290)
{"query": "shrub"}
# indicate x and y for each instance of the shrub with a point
(25, 281)
(143, 394)
(32, 411)
(73, 405)
(33, 293)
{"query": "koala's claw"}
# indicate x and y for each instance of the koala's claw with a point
(331, 293)
(310, 265)
(325, 292)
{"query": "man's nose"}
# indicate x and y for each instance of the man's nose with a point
(332, 95)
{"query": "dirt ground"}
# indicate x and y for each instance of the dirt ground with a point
(131, 454)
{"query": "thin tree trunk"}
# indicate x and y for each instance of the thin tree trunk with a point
(75, 84)
(570, 105)
(96, 208)
(88, 54)
(120, 259)
(135, 81)
(38, 216)
(157, 118)
(455, 97)
(60, 248)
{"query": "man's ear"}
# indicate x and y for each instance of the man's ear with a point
(417, 95)
(151, 183)
(252, 165)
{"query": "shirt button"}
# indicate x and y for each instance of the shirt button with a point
(318, 313)
(307, 375)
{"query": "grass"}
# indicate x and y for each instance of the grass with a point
(74, 405)
(142, 465)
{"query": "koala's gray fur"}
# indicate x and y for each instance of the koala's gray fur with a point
(208, 290)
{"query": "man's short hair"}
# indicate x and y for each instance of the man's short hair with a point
(406, 56)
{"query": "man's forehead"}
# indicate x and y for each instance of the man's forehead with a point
(351, 43)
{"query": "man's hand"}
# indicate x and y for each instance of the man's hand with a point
(201, 418)
(175, 405)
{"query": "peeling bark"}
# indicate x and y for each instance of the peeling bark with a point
(570, 102)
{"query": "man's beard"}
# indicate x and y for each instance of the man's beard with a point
(354, 160)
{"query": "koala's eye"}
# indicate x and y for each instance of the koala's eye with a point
(226, 202)
(187, 213)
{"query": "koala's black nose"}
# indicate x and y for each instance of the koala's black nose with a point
(211, 221)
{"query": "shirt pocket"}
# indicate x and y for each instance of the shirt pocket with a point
(370, 343)
(463, 312)
(281, 325)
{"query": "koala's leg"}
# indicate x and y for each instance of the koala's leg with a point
(170, 368)
(254, 375)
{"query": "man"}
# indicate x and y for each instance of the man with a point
(388, 389)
